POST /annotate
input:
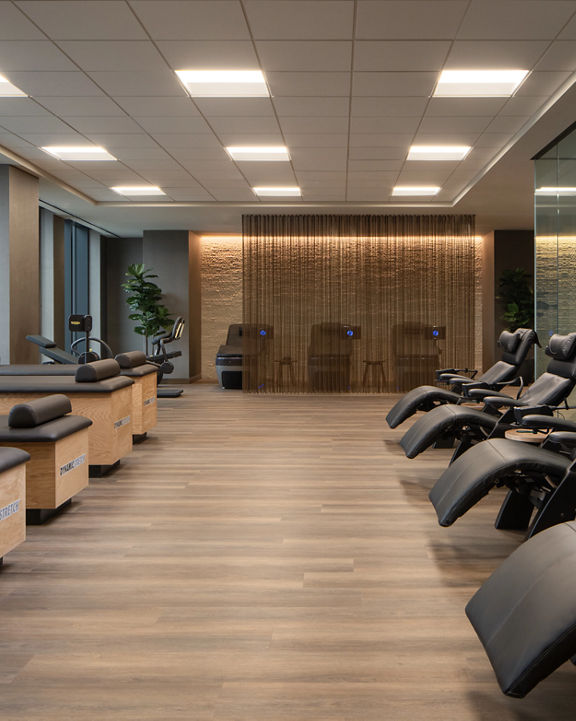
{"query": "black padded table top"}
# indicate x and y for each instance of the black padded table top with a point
(60, 384)
(49, 432)
(12, 457)
(59, 369)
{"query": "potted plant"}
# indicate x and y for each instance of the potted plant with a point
(143, 299)
(517, 297)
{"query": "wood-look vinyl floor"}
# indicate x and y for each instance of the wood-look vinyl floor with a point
(259, 558)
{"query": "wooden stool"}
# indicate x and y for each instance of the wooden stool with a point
(285, 362)
(378, 377)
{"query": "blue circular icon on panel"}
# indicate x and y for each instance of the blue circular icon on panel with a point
(350, 332)
(262, 332)
(435, 332)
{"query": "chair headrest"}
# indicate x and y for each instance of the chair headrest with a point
(42, 410)
(515, 346)
(97, 371)
(131, 359)
(509, 341)
(562, 347)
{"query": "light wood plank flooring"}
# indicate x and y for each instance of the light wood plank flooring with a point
(269, 558)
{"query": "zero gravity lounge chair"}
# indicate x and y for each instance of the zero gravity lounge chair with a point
(515, 347)
(472, 425)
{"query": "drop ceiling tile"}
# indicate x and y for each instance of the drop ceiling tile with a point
(388, 107)
(495, 54)
(307, 19)
(232, 195)
(187, 140)
(174, 125)
(209, 54)
(87, 20)
(143, 155)
(369, 195)
(304, 55)
(12, 141)
(190, 153)
(32, 55)
(400, 55)
(111, 141)
(398, 140)
(48, 138)
(86, 107)
(334, 160)
(136, 55)
(425, 175)
(300, 155)
(48, 84)
(199, 20)
(463, 107)
(173, 178)
(377, 153)
(314, 125)
(337, 195)
(192, 194)
(507, 124)
(124, 82)
(309, 84)
(312, 140)
(384, 125)
(453, 124)
(542, 83)
(395, 84)
(243, 138)
(14, 25)
(311, 107)
(371, 177)
(515, 19)
(446, 137)
(247, 125)
(268, 174)
(34, 124)
(375, 165)
(140, 166)
(21, 106)
(417, 19)
(158, 107)
(527, 105)
(90, 125)
(106, 196)
(492, 140)
(235, 107)
(569, 31)
(559, 56)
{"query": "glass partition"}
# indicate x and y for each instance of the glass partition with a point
(555, 231)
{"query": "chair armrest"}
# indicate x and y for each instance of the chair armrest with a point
(497, 400)
(538, 421)
(483, 393)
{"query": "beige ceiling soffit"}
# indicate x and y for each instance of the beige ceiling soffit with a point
(265, 206)
(35, 170)
(516, 137)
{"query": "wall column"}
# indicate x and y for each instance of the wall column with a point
(19, 265)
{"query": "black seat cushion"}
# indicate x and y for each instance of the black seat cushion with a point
(471, 476)
(59, 384)
(525, 613)
(12, 457)
(41, 410)
(48, 432)
(97, 371)
(423, 398)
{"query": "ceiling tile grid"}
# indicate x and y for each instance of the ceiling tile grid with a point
(350, 82)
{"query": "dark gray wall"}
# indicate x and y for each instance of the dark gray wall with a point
(119, 253)
(19, 265)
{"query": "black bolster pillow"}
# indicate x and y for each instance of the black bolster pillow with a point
(97, 371)
(509, 341)
(561, 347)
(132, 359)
(42, 410)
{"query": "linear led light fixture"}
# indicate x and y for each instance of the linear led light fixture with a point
(438, 152)
(78, 152)
(292, 191)
(134, 190)
(478, 83)
(255, 152)
(224, 83)
(7, 90)
(551, 190)
(406, 190)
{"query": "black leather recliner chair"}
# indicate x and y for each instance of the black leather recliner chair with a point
(471, 425)
(515, 347)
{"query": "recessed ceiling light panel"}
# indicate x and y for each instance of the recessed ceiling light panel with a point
(438, 152)
(553, 190)
(261, 153)
(224, 83)
(406, 190)
(292, 191)
(478, 83)
(7, 90)
(138, 190)
(78, 152)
